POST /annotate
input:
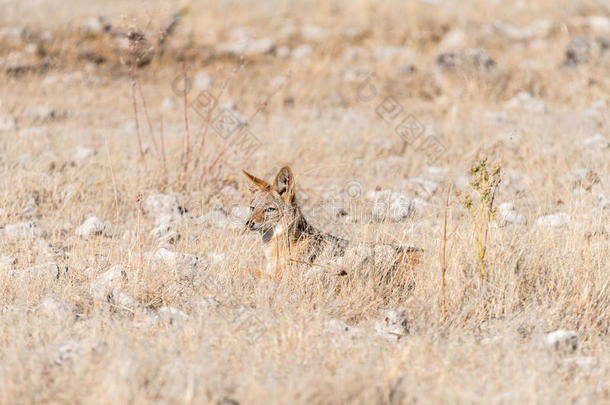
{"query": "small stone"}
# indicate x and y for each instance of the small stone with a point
(527, 102)
(105, 283)
(301, 52)
(202, 80)
(34, 132)
(82, 154)
(165, 231)
(158, 205)
(68, 351)
(562, 339)
(215, 218)
(560, 219)
(337, 326)
(91, 227)
(596, 142)
(39, 271)
(353, 33)
(468, 60)
(393, 53)
(393, 324)
(313, 33)
(94, 26)
(23, 230)
(8, 123)
(172, 315)
(7, 261)
(508, 214)
(53, 307)
(43, 113)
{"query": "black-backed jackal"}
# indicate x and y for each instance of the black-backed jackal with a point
(288, 238)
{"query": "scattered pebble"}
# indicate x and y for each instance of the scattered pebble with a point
(313, 33)
(596, 142)
(527, 102)
(301, 52)
(23, 230)
(393, 324)
(105, 284)
(8, 123)
(91, 227)
(53, 307)
(508, 214)
(562, 339)
(558, 220)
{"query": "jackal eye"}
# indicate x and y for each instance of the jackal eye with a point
(269, 209)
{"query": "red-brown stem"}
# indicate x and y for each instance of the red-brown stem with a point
(443, 256)
(588, 253)
(162, 136)
(187, 132)
(150, 127)
(135, 110)
(140, 245)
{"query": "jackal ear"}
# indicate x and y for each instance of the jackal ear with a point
(255, 184)
(284, 184)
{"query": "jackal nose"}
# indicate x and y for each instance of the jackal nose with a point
(249, 224)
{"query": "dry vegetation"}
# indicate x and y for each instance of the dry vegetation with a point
(183, 320)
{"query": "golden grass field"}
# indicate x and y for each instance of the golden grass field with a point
(323, 87)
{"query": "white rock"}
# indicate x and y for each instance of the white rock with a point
(393, 324)
(7, 261)
(353, 33)
(7, 123)
(215, 218)
(454, 39)
(165, 231)
(527, 102)
(23, 230)
(53, 307)
(393, 53)
(336, 326)
(301, 52)
(508, 214)
(423, 187)
(82, 153)
(43, 113)
(313, 33)
(183, 261)
(105, 283)
(34, 132)
(39, 271)
(560, 219)
(202, 80)
(91, 227)
(599, 24)
(158, 205)
(168, 104)
(172, 315)
(596, 142)
(250, 47)
(585, 362)
(388, 204)
(562, 339)
(512, 32)
(69, 351)
(94, 26)
(239, 215)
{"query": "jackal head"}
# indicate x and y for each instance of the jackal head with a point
(273, 207)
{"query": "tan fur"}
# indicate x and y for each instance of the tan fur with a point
(288, 238)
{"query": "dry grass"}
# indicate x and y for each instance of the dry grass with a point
(269, 345)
